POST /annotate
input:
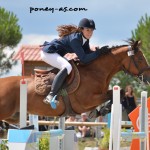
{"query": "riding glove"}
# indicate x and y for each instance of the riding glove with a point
(103, 50)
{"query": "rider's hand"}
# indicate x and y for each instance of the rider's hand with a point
(103, 50)
(71, 56)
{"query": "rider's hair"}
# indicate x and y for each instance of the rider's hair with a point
(64, 30)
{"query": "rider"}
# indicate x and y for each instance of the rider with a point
(72, 39)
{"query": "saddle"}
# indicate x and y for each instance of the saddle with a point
(44, 79)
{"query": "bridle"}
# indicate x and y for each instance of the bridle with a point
(140, 76)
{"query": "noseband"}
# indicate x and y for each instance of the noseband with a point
(140, 71)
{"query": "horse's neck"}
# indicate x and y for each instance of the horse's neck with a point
(102, 69)
(99, 72)
(108, 64)
(116, 63)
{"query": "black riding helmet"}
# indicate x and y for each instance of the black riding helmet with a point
(87, 23)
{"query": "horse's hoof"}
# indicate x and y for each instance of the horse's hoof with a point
(105, 110)
(93, 114)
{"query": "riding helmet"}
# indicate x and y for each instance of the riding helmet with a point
(86, 23)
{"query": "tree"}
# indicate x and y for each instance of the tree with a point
(10, 36)
(121, 79)
(142, 32)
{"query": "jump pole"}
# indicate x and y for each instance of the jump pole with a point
(23, 96)
(142, 123)
(61, 126)
(23, 103)
(143, 119)
(53, 140)
(115, 126)
(116, 117)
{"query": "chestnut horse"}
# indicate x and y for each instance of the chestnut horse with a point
(92, 91)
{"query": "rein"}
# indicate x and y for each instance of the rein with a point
(140, 74)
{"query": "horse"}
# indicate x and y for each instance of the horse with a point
(92, 91)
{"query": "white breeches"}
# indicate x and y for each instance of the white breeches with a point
(57, 61)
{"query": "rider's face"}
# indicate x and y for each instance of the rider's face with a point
(87, 32)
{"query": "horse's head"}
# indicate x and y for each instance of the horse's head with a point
(133, 61)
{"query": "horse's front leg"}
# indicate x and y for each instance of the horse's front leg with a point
(106, 108)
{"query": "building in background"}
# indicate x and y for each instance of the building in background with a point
(32, 59)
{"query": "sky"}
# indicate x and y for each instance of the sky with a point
(114, 19)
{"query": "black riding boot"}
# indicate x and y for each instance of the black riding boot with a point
(56, 85)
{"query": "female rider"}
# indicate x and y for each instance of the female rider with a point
(72, 39)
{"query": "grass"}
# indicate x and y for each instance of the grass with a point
(91, 142)
(86, 142)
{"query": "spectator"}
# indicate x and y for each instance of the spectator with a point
(71, 118)
(3, 129)
(129, 101)
(84, 130)
(42, 127)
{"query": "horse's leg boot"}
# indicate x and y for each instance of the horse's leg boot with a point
(105, 109)
(94, 114)
(56, 85)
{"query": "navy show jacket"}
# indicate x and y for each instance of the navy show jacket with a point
(72, 43)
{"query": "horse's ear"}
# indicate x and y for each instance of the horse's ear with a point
(136, 43)
(139, 43)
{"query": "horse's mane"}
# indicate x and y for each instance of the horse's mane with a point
(117, 46)
(134, 44)
(129, 41)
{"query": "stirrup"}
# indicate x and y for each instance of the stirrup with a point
(53, 102)
(46, 101)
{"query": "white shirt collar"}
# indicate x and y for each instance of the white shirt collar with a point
(84, 40)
